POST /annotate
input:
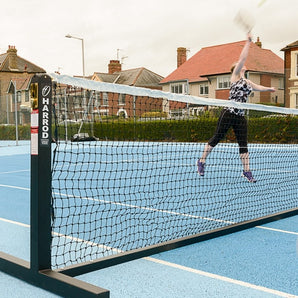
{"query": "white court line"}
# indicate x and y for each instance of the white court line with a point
(79, 240)
(277, 230)
(167, 212)
(14, 222)
(128, 205)
(176, 266)
(221, 278)
(153, 209)
(144, 208)
(90, 243)
(13, 172)
(15, 187)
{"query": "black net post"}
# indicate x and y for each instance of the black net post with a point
(41, 98)
(39, 270)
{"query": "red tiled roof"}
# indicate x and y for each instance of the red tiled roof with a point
(218, 59)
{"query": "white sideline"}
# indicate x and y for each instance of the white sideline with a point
(191, 270)
(222, 278)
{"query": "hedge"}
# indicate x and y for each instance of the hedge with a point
(8, 132)
(260, 130)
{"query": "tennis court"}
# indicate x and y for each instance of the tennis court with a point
(260, 262)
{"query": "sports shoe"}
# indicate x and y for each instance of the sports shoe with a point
(248, 175)
(201, 168)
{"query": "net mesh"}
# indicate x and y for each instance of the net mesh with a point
(125, 175)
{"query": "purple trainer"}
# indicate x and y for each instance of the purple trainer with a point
(201, 168)
(248, 175)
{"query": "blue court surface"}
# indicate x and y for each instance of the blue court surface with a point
(259, 262)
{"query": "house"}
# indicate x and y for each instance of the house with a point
(110, 104)
(137, 77)
(291, 75)
(15, 77)
(125, 105)
(207, 73)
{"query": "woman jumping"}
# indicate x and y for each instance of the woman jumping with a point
(232, 117)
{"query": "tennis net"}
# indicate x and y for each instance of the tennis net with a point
(125, 173)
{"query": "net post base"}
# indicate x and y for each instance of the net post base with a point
(49, 280)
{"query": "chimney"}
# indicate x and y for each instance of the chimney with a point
(258, 43)
(114, 66)
(181, 56)
(12, 57)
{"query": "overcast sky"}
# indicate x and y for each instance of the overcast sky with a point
(148, 32)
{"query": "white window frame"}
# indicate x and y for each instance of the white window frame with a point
(105, 99)
(179, 88)
(121, 99)
(96, 99)
(224, 82)
(294, 65)
(204, 88)
(27, 96)
(19, 96)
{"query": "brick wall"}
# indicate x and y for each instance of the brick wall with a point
(181, 56)
(222, 94)
(265, 80)
(114, 66)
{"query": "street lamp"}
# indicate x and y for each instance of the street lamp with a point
(83, 55)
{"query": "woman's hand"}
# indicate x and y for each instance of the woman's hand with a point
(271, 89)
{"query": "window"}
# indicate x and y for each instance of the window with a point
(180, 88)
(246, 74)
(27, 96)
(297, 101)
(97, 100)
(122, 99)
(19, 97)
(296, 65)
(105, 100)
(281, 83)
(223, 82)
(204, 89)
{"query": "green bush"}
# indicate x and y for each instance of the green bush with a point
(260, 130)
(8, 132)
(273, 130)
(266, 129)
(154, 115)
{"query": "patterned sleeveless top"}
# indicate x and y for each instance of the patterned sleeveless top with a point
(239, 92)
